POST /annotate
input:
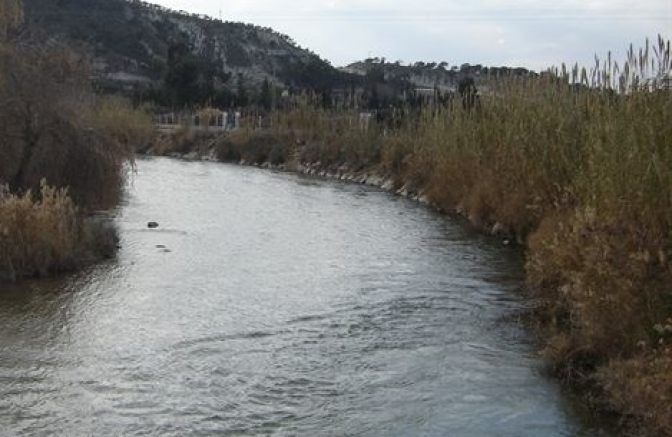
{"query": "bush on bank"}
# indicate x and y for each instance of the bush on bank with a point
(54, 128)
(65, 153)
(44, 233)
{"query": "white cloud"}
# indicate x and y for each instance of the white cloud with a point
(528, 33)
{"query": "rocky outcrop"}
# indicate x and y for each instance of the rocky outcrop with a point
(354, 173)
(130, 41)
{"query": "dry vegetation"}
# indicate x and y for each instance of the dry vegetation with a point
(55, 128)
(45, 234)
(575, 164)
(54, 132)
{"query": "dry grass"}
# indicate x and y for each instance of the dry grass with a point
(131, 127)
(43, 234)
(65, 153)
(641, 388)
(251, 148)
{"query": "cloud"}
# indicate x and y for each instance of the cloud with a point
(528, 33)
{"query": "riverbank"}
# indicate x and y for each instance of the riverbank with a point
(545, 167)
(49, 236)
(65, 155)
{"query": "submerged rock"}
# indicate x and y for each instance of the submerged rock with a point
(152, 225)
(498, 229)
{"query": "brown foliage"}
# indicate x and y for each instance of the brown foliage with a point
(48, 126)
(641, 387)
(253, 149)
(45, 234)
(62, 150)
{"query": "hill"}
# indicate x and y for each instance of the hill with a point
(131, 42)
(177, 59)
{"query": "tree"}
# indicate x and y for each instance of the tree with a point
(49, 130)
(375, 75)
(181, 75)
(241, 92)
(266, 96)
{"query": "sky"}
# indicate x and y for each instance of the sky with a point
(515, 33)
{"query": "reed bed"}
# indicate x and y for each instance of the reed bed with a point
(43, 233)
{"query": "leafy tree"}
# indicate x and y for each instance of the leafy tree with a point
(181, 77)
(242, 98)
(266, 96)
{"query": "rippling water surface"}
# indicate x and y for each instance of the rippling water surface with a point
(270, 304)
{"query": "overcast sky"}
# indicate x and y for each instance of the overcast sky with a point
(527, 33)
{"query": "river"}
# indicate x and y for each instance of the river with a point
(273, 304)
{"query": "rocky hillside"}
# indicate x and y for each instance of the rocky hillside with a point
(131, 41)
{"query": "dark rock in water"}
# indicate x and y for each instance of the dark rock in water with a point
(160, 246)
(152, 225)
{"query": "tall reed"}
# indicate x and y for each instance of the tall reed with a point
(43, 233)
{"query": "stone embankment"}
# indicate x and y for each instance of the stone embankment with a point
(355, 174)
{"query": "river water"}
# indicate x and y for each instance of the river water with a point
(272, 304)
